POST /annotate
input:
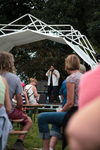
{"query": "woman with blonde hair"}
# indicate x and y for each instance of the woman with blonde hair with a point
(32, 91)
(72, 65)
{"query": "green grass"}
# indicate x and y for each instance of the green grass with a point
(32, 139)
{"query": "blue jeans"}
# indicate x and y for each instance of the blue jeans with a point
(54, 118)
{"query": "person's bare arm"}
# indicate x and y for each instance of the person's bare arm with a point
(48, 73)
(26, 97)
(83, 129)
(7, 102)
(62, 97)
(19, 101)
(70, 97)
(35, 92)
(54, 74)
(14, 97)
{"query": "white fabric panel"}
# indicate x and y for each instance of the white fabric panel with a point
(82, 54)
(21, 37)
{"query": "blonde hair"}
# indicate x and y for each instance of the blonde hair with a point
(82, 68)
(6, 62)
(33, 80)
(72, 62)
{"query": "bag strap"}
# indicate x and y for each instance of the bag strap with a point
(31, 94)
(27, 89)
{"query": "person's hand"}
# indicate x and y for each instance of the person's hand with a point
(59, 111)
(50, 69)
(53, 72)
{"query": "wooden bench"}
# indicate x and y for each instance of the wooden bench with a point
(17, 120)
(17, 132)
(32, 107)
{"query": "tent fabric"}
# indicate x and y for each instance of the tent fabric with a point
(8, 41)
(37, 30)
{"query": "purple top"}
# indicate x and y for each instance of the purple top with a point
(75, 78)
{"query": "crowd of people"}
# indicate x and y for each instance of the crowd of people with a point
(79, 115)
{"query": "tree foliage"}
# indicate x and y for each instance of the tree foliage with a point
(33, 60)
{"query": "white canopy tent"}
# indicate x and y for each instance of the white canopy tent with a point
(15, 34)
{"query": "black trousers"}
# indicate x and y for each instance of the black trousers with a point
(66, 119)
(54, 88)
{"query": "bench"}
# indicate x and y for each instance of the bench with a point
(17, 120)
(30, 111)
(17, 132)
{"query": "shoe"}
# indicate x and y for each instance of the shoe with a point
(18, 146)
(55, 101)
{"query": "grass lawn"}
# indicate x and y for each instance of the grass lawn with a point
(32, 138)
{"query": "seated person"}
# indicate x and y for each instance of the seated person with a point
(24, 95)
(32, 91)
(5, 108)
(56, 118)
(72, 66)
(88, 92)
(15, 88)
(63, 92)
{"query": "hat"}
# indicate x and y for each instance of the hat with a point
(22, 84)
(82, 68)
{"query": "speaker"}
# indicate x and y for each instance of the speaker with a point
(42, 86)
(42, 99)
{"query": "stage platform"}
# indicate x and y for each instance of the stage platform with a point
(50, 106)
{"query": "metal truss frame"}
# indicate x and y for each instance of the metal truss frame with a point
(78, 42)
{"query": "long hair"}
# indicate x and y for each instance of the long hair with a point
(6, 62)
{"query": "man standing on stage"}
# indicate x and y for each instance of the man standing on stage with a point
(53, 78)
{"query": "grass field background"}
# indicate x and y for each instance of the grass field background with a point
(32, 139)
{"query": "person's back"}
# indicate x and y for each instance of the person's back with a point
(2, 91)
(83, 129)
(89, 87)
(13, 85)
(5, 107)
(32, 99)
(63, 91)
(32, 91)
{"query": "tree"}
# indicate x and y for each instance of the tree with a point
(13, 9)
(33, 60)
